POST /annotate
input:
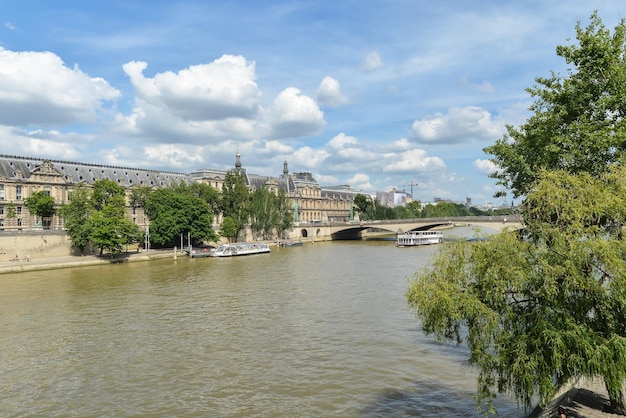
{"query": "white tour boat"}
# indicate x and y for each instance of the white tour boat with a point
(240, 248)
(413, 238)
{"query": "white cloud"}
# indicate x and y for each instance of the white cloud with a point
(360, 181)
(38, 88)
(485, 166)
(329, 93)
(39, 143)
(342, 141)
(294, 115)
(9, 26)
(458, 125)
(415, 160)
(401, 144)
(372, 61)
(225, 88)
(308, 158)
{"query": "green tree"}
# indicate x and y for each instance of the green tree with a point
(205, 192)
(363, 205)
(109, 227)
(539, 311)
(106, 191)
(579, 122)
(414, 208)
(40, 204)
(75, 214)
(270, 213)
(229, 229)
(235, 201)
(178, 210)
(285, 213)
(138, 196)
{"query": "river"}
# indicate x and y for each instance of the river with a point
(321, 330)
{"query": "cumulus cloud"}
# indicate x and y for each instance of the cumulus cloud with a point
(415, 160)
(38, 88)
(458, 125)
(346, 150)
(360, 181)
(293, 114)
(308, 157)
(341, 141)
(372, 61)
(224, 88)
(49, 144)
(329, 93)
(485, 166)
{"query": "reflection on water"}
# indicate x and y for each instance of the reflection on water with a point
(318, 330)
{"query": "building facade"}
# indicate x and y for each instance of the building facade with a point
(20, 177)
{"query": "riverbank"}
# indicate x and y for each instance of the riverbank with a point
(51, 263)
(583, 398)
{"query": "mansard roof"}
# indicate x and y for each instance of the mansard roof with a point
(339, 192)
(22, 168)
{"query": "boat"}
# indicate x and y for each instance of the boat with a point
(240, 248)
(414, 238)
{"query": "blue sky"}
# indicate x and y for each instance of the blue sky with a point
(374, 94)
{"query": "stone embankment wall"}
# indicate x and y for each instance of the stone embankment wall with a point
(38, 243)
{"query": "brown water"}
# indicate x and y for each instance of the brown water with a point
(321, 330)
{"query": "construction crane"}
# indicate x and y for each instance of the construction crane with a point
(410, 185)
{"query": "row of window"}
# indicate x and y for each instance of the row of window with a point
(18, 210)
(18, 191)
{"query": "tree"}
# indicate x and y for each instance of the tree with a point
(539, 311)
(579, 121)
(363, 204)
(75, 215)
(175, 211)
(138, 196)
(269, 213)
(109, 228)
(205, 192)
(235, 201)
(104, 192)
(414, 208)
(40, 204)
(229, 228)
(285, 213)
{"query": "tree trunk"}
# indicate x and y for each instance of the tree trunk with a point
(617, 397)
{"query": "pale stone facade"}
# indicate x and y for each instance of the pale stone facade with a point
(20, 177)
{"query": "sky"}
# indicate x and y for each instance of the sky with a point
(375, 94)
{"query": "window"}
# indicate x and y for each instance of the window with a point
(19, 221)
(18, 192)
(1, 210)
(47, 190)
(1, 191)
(18, 210)
(1, 223)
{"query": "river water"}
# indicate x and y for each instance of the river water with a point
(321, 330)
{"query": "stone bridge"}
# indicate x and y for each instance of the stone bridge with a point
(359, 230)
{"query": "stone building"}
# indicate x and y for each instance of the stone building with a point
(310, 201)
(20, 177)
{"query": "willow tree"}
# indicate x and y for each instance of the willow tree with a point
(542, 307)
(578, 122)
